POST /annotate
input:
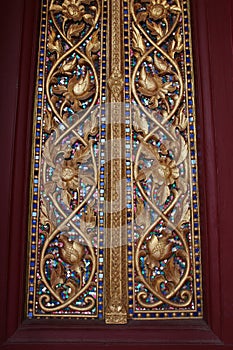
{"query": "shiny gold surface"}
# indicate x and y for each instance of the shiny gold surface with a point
(157, 76)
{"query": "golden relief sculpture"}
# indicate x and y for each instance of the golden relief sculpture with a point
(158, 89)
(71, 81)
(116, 228)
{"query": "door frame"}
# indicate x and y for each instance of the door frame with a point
(212, 46)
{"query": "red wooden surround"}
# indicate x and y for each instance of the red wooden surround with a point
(213, 56)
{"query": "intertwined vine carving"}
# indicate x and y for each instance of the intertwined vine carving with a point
(67, 257)
(161, 171)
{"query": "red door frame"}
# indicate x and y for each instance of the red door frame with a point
(212, 41)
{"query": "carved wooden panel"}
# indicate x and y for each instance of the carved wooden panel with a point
(114, 220)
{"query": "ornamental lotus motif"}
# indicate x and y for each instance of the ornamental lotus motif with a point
(158, 249)
(153, 87)
(72, 253)
(79, 89)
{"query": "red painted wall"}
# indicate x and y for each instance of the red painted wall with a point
(212, 41)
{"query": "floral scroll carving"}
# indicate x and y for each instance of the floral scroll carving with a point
(67, 258)
(115, 222)
(161, 171)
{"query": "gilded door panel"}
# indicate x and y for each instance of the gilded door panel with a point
(114, 221)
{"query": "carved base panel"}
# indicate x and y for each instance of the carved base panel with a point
(114, 220)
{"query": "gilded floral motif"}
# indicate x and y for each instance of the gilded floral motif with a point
(155, 14)
(165, 173)
(74, 10)
(158, 9)
(153, 87)
(71, 253)
(157, 249)
(66, 175)
(163, 170)
(78, 89)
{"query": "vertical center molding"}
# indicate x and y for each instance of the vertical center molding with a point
(116, 214)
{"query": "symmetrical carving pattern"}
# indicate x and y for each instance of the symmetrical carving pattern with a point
(114, 219)
(116, 290)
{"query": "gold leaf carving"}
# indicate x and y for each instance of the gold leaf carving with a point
(153, 87)
(139, 122)
(155, 28)
(55, 8)
(172, 271)
(156, 283)
(93, 46)
(59, 89)
(49, 187)
(78, 90)
(66, 197)
(88, 220)
(176, 45)
(138, 43)
(73, 10)
(53, 44)
(181, 122)
(68, 67)
(142, 16)
(83, 154)
(49, 122)
(73, 287)
(44, 214)
(75, 29)
(57, 275)
(88, 19)
(142, 217)
(161, 64)
(91, 126)
(164, 172)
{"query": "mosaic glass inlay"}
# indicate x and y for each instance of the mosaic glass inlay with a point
(114, 217)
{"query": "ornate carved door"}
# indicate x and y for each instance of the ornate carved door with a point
(115, 213)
